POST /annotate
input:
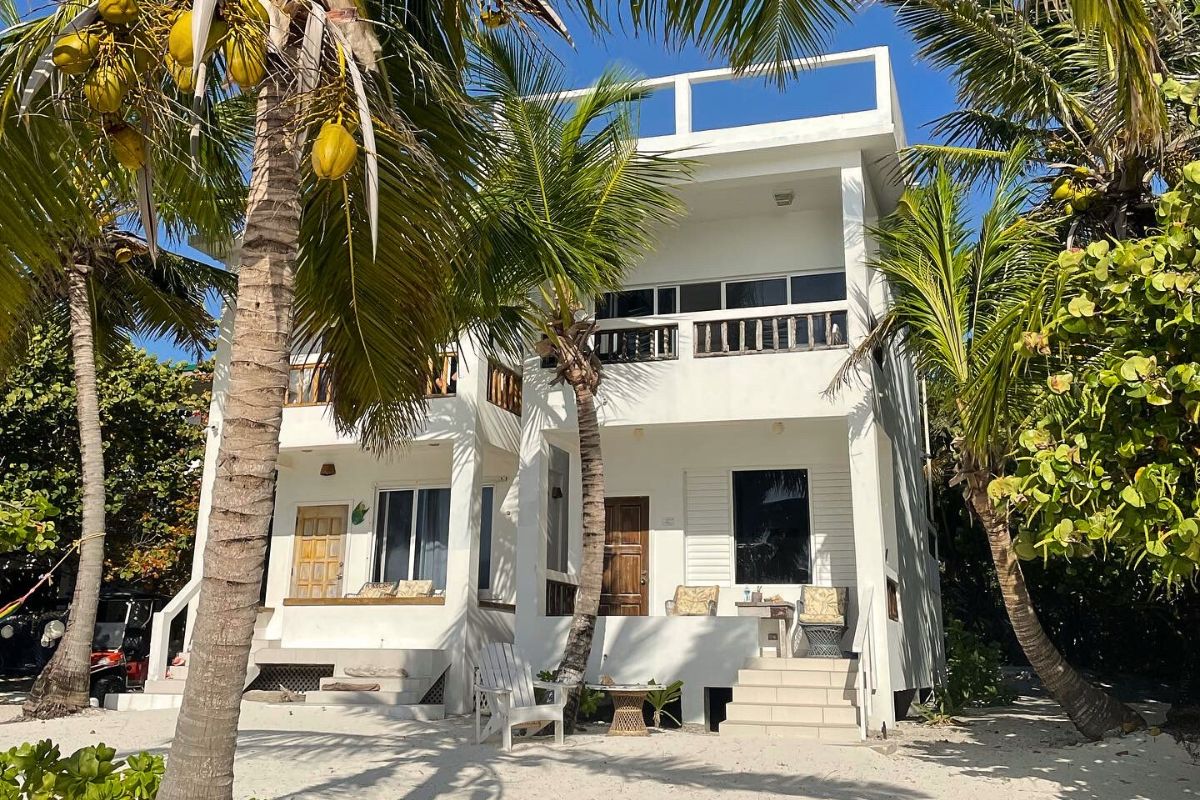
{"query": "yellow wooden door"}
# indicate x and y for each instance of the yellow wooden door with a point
(317, 569)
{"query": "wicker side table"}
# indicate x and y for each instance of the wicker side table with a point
(627, 700)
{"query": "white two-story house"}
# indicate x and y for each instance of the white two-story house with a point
(728, 464)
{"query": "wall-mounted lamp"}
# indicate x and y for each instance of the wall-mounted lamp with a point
(328, 469)
(783, 199)
(639, 433)
(556, 493)
(776, 427)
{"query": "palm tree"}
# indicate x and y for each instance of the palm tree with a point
(568, 206)
(103, 279)
(1035, 81)
(963, 311)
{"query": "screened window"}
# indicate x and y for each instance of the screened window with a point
(558, 505)
(821, 288)
(751, 294)
(485, 538)
(627, 303)
(700, 297)
(771, 525)
(412, 542)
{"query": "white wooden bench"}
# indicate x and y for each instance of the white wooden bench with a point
(507, 683)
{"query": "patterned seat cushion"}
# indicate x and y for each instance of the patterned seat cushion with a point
(380, 589)
(824, 605)
(414, 589)
(693, 601)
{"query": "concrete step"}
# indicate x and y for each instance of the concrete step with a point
(842, 665)
(361, 698)
(140, 701)
(177, 673)
(794, 695)
(166, 686)
(386, 684)
(811, 680)
(791, 712)
(383, 663)
(790, 730)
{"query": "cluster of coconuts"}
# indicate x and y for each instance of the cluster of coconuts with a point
(241, 29)
(1073, 190)
(112, 54)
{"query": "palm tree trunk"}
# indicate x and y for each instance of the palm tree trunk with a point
(62, 688)
(1094, 712)
(200, 766)
(591, 572)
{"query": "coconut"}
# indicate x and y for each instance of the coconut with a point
(105, 88)
(75, 52)
(118, 12)
(334, 151)
(181, 74)
(179, 41)
(128, 146)
(246, 60)
(258, 11)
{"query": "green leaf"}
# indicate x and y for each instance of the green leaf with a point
(1132, 497)
(1136, 368)
(1081, 306)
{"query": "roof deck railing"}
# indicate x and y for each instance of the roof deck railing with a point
(886, 110)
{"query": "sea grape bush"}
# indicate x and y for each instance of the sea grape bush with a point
(39, 772)
(1113, 461)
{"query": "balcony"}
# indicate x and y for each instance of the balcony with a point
(308, 384)
(504, 387)
(785, 333)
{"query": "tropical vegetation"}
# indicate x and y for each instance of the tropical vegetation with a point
(569, 204)
(39, 771)
(151, 419)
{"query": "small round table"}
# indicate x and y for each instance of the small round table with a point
(627, 699)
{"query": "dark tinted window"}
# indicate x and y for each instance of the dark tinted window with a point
(750, 294)
(667, 300)
(820, 288)
(771, 525)
(485, 538)
(627, 303)
(700, 297)
(394, 534)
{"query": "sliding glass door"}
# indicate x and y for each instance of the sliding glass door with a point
(412, 532)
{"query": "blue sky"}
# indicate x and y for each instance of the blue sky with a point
(925, 94)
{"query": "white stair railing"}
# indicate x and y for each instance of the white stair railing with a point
(863, 645)
(160, 629)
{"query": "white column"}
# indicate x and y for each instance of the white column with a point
(462, 556)
(531, 521)
(870, 548)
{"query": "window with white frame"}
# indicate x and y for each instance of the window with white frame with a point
(791, 289)
(772, 526)
(412, 535)
(558, 509)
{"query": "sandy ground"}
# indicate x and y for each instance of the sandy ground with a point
(1028, 752)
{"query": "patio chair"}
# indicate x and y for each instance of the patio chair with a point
(375, 589)
(823, 619)
(694, 601)
(507, 683)
(414, 589)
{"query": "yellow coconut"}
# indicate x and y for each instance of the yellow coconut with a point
(1062, 189)
(123, 255)
(256, 10)
(181, 74)
(246, 60)
(118, 12)
(179, 40)
(129, 147)
(334, 151)
(75, 52)
(105, 88)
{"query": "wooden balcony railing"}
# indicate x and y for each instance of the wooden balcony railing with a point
(785, 333)
(560, 598)
(307, 385)
(504, 387)
(633, 345)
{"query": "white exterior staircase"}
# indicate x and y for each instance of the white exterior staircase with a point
(800, 698)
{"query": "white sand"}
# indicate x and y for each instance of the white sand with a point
(1026, 753)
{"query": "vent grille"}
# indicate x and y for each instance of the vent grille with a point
(436, 696)
(293, 677)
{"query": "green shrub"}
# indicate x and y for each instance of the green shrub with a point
(974, 678)
(660, 698)
(589, 699)
(38, 772)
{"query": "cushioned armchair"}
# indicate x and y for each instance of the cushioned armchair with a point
(823, 619)
(694, 601)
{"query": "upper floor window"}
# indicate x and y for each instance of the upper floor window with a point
(687, 298)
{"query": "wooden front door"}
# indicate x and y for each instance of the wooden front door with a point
(626, 589)
(317, 568)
